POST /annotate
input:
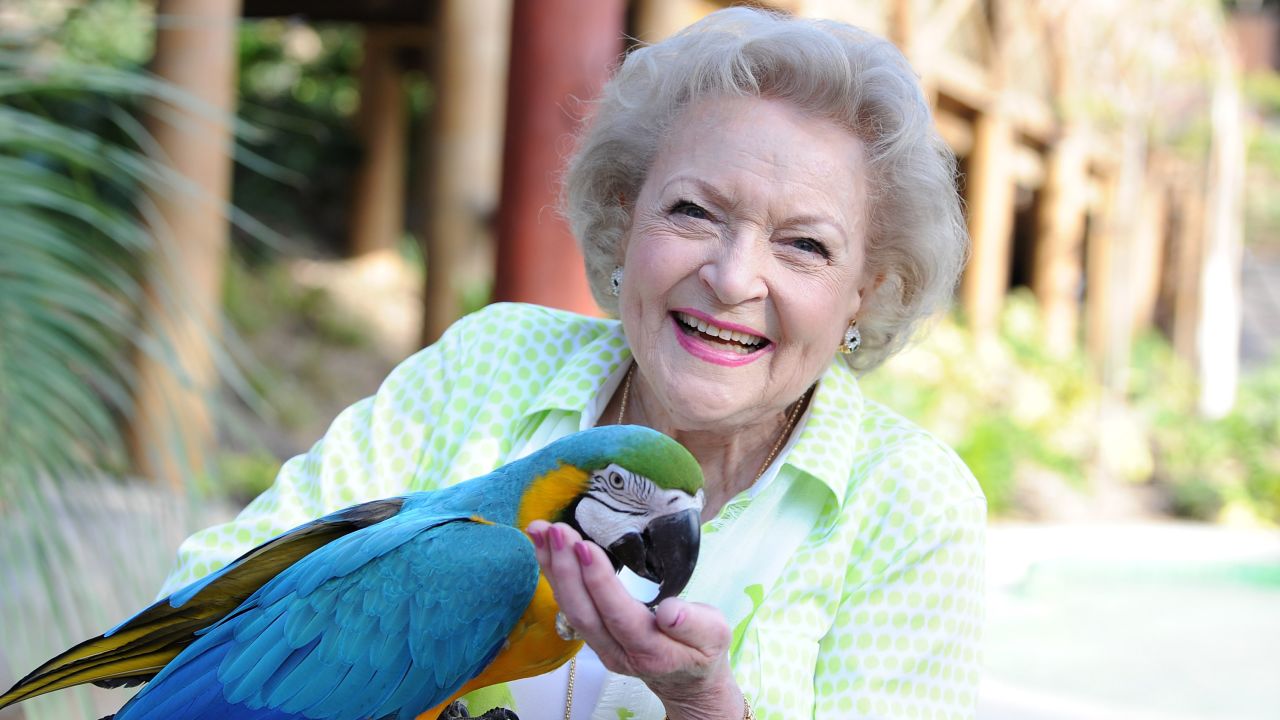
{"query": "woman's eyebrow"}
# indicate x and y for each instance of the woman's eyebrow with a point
(705, 187)
(812, 220)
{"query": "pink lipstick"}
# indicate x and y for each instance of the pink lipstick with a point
(715, 350)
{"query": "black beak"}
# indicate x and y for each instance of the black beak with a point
(664, 553)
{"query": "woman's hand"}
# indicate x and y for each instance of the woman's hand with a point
(680, 651)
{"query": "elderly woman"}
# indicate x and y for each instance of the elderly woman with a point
(763, 203)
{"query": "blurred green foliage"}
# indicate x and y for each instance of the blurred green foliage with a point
(261, 298)
(1211, 466)
(1262, 90)
(74, 246)
(1249, 5)
(1006, 407)
(294, 331)
(298, 90)
(240, 476)
(108, 33)
(1016, 414)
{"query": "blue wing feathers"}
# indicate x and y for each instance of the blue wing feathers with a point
(253, 664)
(309, 694)
(395, 619)
(255, 624)
(383, 622)
(304, 622)
(379, 687)
(188, 687)
(347, 691)
(274, 691)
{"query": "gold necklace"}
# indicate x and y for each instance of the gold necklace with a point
(792, 415)
(626, 393)
(568, 696)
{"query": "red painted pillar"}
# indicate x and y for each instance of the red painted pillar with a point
(561, 54)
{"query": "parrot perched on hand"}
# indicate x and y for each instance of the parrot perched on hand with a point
(394, 608)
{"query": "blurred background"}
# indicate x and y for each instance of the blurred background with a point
(222, 221)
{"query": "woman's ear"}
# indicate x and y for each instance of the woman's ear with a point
(869, 288)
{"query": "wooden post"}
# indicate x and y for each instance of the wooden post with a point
(172, 430)
(991, 196)
(377, 218)
(903, 31)
(1149, 247)
(901, 25)
(1058, 264)
(1189, 257)
(990, 189)
(1218, 336)
(463, 144)
(1058, 271)
(561, 53)
(1110, 291)
(1099, 267)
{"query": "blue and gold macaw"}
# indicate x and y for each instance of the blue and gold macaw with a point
(394, 608)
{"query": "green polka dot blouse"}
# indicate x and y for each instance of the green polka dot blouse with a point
(852, 581)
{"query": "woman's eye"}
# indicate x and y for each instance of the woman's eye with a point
(810, 246)
(688, 209)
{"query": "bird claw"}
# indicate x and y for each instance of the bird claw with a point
(458, 711)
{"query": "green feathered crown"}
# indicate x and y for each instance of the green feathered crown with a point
(639, 449)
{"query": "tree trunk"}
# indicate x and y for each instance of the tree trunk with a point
(463, 147)
(1059, 262)
(172, 430)
(990, 187)
(377, 218)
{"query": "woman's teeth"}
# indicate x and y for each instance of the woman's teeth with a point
(739, 340)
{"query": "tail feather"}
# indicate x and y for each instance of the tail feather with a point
(128, 658)
(129, 668)
(145, 627)
(137, 649)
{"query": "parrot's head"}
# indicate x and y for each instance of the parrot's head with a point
(638, 494)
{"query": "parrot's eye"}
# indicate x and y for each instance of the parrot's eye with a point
(616, 481)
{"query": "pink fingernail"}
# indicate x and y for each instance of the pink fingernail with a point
(583, 552)
(679, 618)
(538, 539)
(557, 538)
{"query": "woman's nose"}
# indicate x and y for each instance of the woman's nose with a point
(735, 272)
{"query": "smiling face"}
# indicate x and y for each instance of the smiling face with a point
(744, 259)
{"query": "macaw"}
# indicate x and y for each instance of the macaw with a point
(394, 608)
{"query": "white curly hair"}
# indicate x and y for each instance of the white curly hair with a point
(916, 238)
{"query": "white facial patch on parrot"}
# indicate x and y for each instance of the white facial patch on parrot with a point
(619, 501)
